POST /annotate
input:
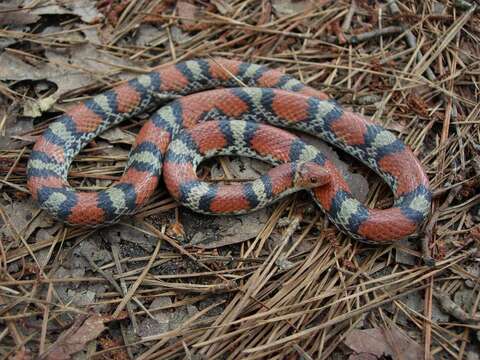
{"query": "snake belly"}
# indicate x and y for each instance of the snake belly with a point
(273, 97)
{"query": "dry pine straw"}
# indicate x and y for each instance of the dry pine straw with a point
(408, 67)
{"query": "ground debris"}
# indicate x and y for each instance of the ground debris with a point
(378, 342)
(85, 329)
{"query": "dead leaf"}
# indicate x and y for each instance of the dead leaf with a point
(108, 343)
(116, 135)
(362, 356)
(58, 33)
(291, 7)
(379, 342)
(76, 337)
(147, 35)
(24, 219)
(12, 14)
(158, 9)
(22, 354)
(35, 108)
(396, 126)
(475, 232)
(179, 36)
(222, 6)
(224, 230)
(85, 9)
(240, 168)
(190, 16)
(13, 127)
(418, 105)
(88, 65)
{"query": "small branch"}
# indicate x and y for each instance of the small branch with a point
(410, 38)
(358, 38)
(347, 22)
(452, 308)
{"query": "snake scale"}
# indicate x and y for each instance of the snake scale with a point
(222, 89)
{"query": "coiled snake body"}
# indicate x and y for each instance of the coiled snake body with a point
(274, 97)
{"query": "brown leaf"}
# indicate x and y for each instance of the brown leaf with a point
(222, 6)
(21, 215)
(12, 15)
(362, 356)
(108, 343)
(265, 13)
(475, 232)
(396, 125)
(75, 339)
(85, 9)
(117, 135)
(379, 342)
(291, 7)
(22, 354)
(154, 15)
(88, 65)
(223, 230)
(417, 105)
(189, 14)
(14, 127)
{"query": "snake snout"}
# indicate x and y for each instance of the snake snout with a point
(310, 175)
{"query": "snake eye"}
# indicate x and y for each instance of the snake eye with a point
(313, 180)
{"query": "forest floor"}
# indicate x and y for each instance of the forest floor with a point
(281, 283)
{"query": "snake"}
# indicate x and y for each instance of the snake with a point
(225, 137)
(188, 93)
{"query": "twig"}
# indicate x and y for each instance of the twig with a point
(358, 38)
(348, 18)
(410, 39)
(452, 308)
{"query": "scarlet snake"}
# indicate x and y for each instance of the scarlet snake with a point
(277, 98)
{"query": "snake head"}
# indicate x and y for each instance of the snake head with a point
(309, 175)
